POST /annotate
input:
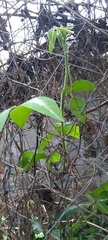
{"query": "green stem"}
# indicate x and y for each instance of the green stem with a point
(63, 100)
(63, 94)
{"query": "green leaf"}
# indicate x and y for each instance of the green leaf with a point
(3, 218)
(27, 160)
(61, 36)
(95, 193)
(3, 117)
(57, 127)
(74, 130)
(102, 207)
(65, 29)
(45, 141)
(76, 106)
(52, 38)
(38, 157)
(4, 237)
(39, 235)
(90, 198)
(20, 115)
(103, 196)
(56, 234)
(68, 90)
(71, 211)
(82, 85)
(45, 106)
(50, 47)
(37, 229)
(54, 158)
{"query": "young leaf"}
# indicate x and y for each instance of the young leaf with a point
(20, 115)
(57, 127)
(3, 118)
(82, 85)
(45, 106)
(45, 141)
(50, 47)
(39, 156)
(61, 36)
(52, 38)
(54, 158)
(66, 29)
(74, 130)
(76, 106)
(27, 160)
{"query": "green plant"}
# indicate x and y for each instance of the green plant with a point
(36, 231)
(93, 225)
(47, 106)
(99, 198)
(92, 222)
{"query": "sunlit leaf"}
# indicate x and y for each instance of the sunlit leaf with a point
(50, 47)
(83, 85)
(61, 36)
(71, 130)
(77, 108)
(61, 39)
(39, 156)
(20, 115)
(3, 218)
(66, 29)
(45, 141)
(45, 106)
(25, 158)
(4, 237)
(3, 117)
(39, 235)
(52, 38)
(57, 127)
(28, 158)
(68, 90)
(55, 157)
